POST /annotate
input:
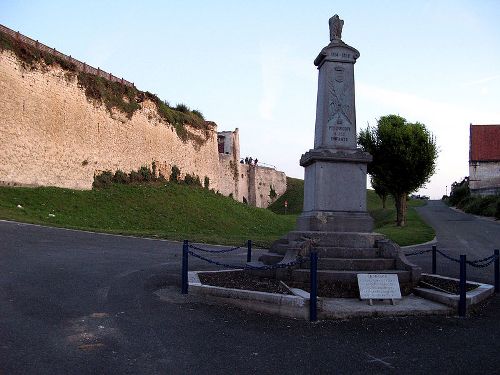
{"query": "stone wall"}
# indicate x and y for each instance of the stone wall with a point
(52, 135)
(484, 178)
(256, 182)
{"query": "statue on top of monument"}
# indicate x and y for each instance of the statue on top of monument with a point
(336, 25)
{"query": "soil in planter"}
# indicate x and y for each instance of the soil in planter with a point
(249, 281)
(243, 280)
(450, 286)
(330, 289)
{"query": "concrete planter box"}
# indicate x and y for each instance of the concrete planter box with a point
(473, 297)
(297, 305)
(292, 306)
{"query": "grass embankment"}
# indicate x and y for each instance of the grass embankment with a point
(180, 212)
(416, 230)
(165, 210)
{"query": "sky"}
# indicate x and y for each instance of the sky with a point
(249, 64)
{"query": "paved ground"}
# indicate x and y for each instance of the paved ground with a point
(82, 303)
(459, 233)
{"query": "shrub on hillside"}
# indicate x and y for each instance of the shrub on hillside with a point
(103, 180)
(176, 173)
(121, 177)
(198, 113)
(181, 107)
(485, 206)
(135, 177)
(192, 180)
(459, 191)
(146, 173)
(206, 182)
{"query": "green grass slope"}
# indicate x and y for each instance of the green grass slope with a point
(167, 211)
(416, 230)
(294, 195)
(180, 212)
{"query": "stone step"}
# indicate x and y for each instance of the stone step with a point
(337, 239)
(334, 252)
(367, 264)
(282, 248)
(270, 258)
(345, 276)
(347, 252)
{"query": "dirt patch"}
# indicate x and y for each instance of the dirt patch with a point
(249, 281)
(243, 280)
(444, 285)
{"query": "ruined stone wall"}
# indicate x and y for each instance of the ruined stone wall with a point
(255, 184)
(51, 134)
(264, 179)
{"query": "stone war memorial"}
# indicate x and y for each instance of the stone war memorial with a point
(334, 220)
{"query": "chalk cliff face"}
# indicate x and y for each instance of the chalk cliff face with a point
(51, 134)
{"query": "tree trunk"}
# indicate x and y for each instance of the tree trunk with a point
(400, 209)
(384, 199)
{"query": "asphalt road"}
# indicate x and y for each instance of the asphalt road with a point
(83, 303)
(458, 233)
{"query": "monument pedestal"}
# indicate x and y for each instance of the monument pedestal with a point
(335, 191)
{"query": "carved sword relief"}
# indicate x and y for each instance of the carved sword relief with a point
(339, 109)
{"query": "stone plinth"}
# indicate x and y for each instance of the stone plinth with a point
(335, 191)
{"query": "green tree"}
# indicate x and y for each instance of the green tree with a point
(380, 190)
(404, 157)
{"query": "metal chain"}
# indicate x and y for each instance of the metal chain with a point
(248, 266)
(256, 245)
(473, 263)
(447, 256)
(215, 251)
(418, 252)
(484, 259)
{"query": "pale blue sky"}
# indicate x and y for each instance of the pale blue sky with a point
(249, 64)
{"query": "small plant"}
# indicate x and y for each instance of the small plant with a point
(85, 162)
(198, 113)
(146, 174)
(206, 182)
(161, 177)
(103, 180)
(192, 180)
(154, 168)
(181, 107)
(135, 176)
(176, 172)
(121, 177)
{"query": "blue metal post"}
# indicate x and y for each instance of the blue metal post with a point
(462, 307)
(434, 260)
(249, 251)
(497, 276)
(313, 296)
(185, 266)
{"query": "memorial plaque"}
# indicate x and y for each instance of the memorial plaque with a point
(378, 286)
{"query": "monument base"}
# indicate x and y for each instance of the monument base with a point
(335, 221)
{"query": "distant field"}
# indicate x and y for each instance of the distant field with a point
(180, 212)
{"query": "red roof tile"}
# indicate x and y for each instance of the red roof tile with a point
(484, 143)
